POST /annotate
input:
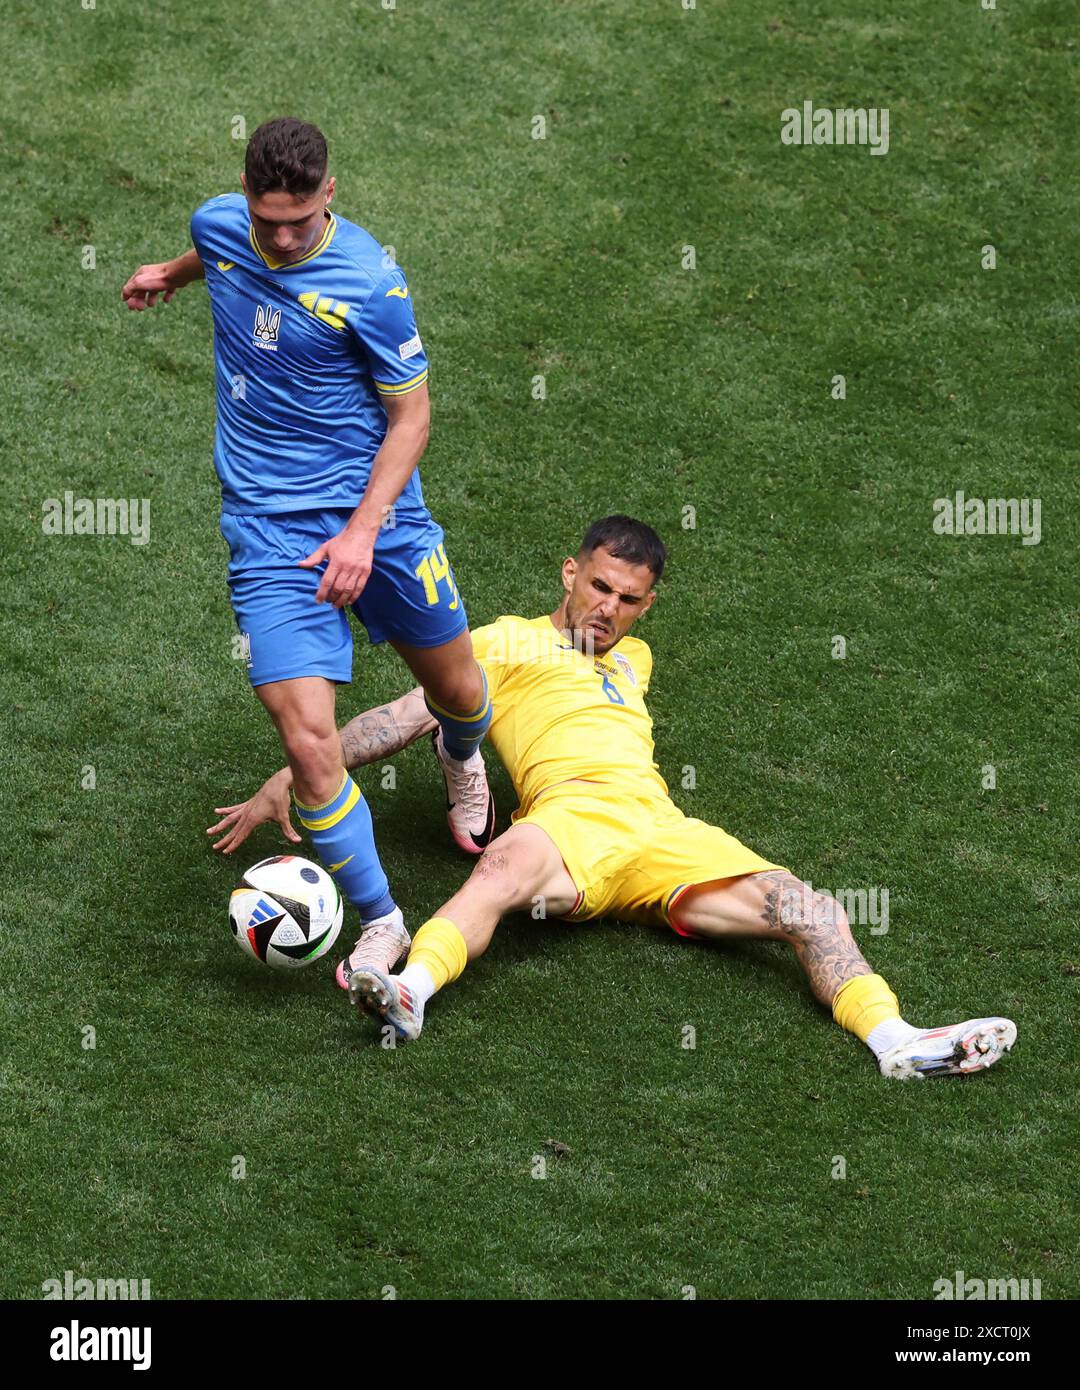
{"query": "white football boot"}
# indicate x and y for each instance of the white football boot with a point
(381, 945)
(470, 807)
(955, 1051)
(383, 996)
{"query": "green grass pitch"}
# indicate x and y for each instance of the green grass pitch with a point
(667, 388)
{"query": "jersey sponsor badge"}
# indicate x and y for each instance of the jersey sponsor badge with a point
(411, 348)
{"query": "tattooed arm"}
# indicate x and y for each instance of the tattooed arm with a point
(382, 732)
(377, 733)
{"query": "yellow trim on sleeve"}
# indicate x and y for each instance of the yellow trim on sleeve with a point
(387, 388)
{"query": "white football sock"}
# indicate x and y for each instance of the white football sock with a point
(470, 761)
(394, 915)
(890, 1034)
(418, 978)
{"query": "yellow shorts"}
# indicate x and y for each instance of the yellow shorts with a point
(631, 857)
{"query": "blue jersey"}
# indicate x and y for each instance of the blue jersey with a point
(304, 354)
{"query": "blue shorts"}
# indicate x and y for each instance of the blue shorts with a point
(410, 595)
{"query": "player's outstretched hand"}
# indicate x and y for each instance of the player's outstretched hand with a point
(348, 558)
(142, 290)
(270, 802)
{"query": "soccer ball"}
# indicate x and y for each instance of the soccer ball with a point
(285, 912)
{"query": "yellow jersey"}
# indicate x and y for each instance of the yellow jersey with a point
(559, 714)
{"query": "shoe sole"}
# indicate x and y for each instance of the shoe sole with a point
(974, 1051)
(369, 996)
(983, 1047)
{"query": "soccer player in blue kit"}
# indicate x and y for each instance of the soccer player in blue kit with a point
(322, 417)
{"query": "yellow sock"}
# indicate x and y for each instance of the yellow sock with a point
(862, 1003)
(440, 948)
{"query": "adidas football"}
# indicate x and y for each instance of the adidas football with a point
(286, 912)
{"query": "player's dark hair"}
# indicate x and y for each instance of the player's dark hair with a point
(285, 154)
(628, 540)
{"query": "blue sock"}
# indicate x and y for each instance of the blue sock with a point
(463, 733)
(342, 834)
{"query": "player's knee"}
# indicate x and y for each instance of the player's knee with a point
(503, 877)
(459, 690)
(308, 744)
(796, 910)
(315, 758)
(495, 865)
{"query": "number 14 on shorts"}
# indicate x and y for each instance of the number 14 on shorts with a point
(431, 570)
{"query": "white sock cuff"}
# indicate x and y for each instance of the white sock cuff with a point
(890, 1034)
(417, 977)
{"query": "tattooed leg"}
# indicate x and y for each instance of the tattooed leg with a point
(780, 907)
(817, 927)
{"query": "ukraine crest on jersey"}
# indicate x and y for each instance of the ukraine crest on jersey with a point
(305, 353)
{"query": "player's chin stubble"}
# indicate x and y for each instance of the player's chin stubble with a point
(584, 638)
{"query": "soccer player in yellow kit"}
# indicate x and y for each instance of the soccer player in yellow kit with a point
(596, 833)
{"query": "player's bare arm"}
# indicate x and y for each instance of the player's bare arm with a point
(382, 732)
(349, 553)
(376, 734)
(161, 278)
